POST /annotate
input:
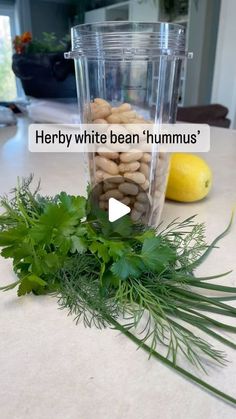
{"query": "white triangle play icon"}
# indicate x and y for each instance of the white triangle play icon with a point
(116, 209)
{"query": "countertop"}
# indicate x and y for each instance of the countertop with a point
(52, 369)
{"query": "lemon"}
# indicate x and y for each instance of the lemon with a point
(190, 178)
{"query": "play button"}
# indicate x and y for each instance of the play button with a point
(116, 197)
(116, 209)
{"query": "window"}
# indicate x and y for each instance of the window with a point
(10, 86)
(8, 90)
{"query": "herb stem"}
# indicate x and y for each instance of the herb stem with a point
(167, 362)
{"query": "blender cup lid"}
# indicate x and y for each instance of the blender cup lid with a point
(128, 40)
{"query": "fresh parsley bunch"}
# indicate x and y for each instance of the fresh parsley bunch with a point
(39, 234)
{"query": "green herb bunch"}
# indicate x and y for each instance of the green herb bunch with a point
(48, 43)
(26, 44)
(121, 275)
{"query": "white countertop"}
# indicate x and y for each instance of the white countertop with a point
(52, 369)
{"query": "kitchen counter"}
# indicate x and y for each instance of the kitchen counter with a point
(52, 369)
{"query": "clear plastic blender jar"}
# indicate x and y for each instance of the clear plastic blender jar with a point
(129, 72)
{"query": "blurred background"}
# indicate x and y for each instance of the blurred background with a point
(209, 78)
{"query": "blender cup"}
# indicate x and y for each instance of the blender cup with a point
(129, 73)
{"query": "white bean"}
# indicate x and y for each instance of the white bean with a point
(131, 156)
(101, 102)
(107, 186)
(140, 207)
(114, 118)
(125, 200)
(136, 177)
(107, 165)
(99, 112)
(109, 155)
(125, 107)
(142, 197)
(145, 185)
(125, 117)
(99, 175)
(128, 188)
(146, 158)
(122, 108)
(113, 193)
(113, 178)
(135, 215)
(129, 167)
(115, 109)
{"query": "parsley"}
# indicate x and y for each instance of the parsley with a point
(39, 233)
(156, 254)
(128, 266)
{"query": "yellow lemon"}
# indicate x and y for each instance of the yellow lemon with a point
(190, 178)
